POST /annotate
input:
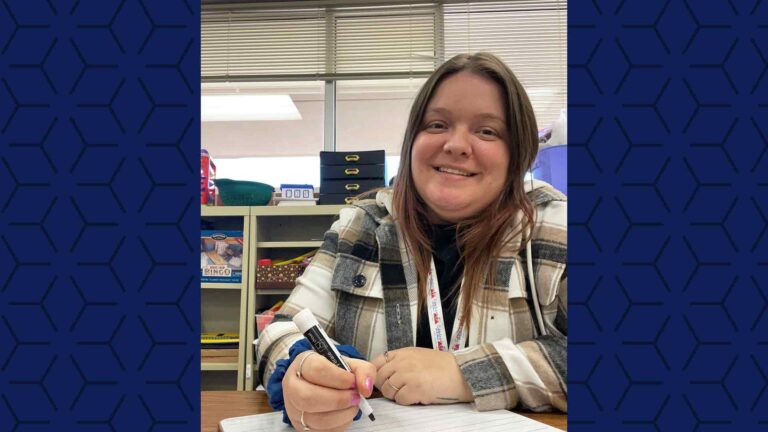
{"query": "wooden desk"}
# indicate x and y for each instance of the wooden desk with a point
(218, 405)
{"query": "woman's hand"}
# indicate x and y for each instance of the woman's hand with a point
(420, 375)
(325, 394)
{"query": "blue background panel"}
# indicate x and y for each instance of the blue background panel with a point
(99, 285)
(99, 136)
(668, 110)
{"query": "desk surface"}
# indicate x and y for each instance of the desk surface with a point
(218, 405)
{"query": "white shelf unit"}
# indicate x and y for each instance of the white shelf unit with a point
(224, 306)
(224, 286)
(279, 233)
(290, 244)
(219, 366)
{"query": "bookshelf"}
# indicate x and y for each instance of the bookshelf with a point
(280, 233)
(224, 305)
(268, 232)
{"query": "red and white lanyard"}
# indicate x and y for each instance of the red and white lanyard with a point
(436, 321)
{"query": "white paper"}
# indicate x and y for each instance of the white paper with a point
(393, 417)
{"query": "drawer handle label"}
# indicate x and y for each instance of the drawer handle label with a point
(352, 171)
(351, 158)
(349, 200)
(352, 186)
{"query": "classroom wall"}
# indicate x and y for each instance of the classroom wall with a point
(363, 122)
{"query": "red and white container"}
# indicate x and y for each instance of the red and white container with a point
(207, 179)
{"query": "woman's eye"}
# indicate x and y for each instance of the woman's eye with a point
(488, 132)
(435, 126)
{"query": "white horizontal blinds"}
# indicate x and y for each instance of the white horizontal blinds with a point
(258, 42)
(389, 39)
(262, 42)
(529, 35)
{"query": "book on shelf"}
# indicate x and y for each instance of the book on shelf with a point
(219, 340)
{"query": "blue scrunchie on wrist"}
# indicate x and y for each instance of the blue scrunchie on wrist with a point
(275, 385)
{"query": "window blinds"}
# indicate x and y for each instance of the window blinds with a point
(259, 43)
(529, 35)
(246, 43)
(342, 40)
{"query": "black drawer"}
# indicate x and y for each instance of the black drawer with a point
(371, 157)
(349, 186)
(336, 172)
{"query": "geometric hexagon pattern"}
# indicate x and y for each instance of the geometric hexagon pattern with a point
(668, 116)
(99, 135)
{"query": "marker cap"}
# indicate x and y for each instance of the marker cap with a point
(305, 320)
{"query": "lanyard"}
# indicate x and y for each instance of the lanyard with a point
(436, 322)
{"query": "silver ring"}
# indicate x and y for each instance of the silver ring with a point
(386, 356)
(301, 365)
(397, 389)
(304, 425)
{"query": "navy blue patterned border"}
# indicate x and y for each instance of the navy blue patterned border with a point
(668, 115)
(99, 137)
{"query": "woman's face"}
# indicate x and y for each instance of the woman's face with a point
(460, 157)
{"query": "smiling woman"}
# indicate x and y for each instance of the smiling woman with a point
(453, 283)
(460, 158)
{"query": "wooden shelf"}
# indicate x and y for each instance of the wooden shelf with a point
(217, 285)
(270, 210)
(224, 211)
(273, 291)
(290, 244)
(218, 360)
(219, 366)
(329, 210)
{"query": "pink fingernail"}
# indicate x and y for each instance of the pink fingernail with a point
(369, 383)
(355, 399)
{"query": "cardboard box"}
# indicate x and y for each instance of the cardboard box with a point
(278, 276)
(221, 256)
(207, 179)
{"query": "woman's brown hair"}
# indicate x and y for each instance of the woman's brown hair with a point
(480, 238)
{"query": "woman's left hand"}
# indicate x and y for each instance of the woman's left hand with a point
(420, 375)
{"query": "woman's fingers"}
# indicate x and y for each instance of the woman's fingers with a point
(379, 361)
(306, 396)
(402, 393)
(383, 359)
(318, 370)
(365, 375)
(383, 374)
(405, 396)
(326, 395)
(392, 386)
(386, 390)
(330, 420)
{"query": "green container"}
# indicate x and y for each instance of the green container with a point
(243, 193)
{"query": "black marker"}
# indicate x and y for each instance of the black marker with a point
(307, 324)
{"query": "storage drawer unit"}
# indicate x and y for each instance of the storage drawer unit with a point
(370, 157)
(353, 187)
(331, 172)
(344, 175)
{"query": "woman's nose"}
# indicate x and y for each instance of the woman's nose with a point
(459, 143)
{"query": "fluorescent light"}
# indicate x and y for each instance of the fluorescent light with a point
(248, 107)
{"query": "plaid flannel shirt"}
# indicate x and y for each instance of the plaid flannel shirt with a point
(506, 364)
